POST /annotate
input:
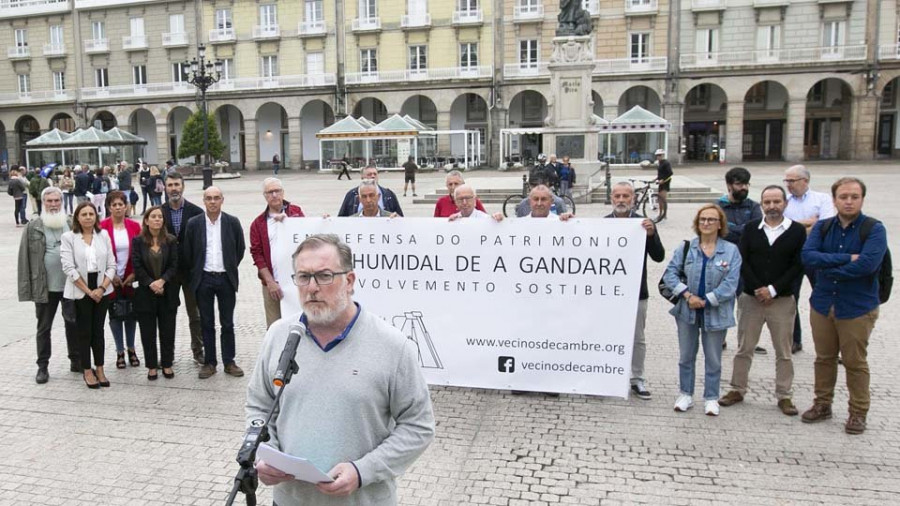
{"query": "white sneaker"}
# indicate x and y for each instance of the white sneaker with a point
(684, 403)
(712, 408)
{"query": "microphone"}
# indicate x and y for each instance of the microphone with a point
(285, 367)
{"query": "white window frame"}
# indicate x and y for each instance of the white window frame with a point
(468, 55)
(136, 26)
(644, 44)
(228, 69)
(224, 20)
(368, 9)
(139, 75)
(834, 33)
(101, 77)
(98, 30)
(532, 52)
(417, 58)
(269, 66)
(24, 83)
(417, 9)
(268, 16)
(21, 38)
(59, 81)
(467, 6)
(368, 61)
(180, 71)
(708, 43)
(319, 67)
(314, 11)
(768, 41)
(176, 23)
(57, 35)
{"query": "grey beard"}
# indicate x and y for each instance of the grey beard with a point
(53, 221)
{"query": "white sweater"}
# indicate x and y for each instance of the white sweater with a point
(365, 401)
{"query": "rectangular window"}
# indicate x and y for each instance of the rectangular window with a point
(887, 96)
(56, 35)
(368, 9)
(139, 75)
(467, 5)
(315, 63)
(528, 54)
(180, 72)
(368, 61)
(707, 43)
(223, 19)
(24, 84)
(268, 16)
(833, 34)
(768, 40)
(137, 27)
(59, 81)
(21, 37)
(176, 23)
(269, 66)
(418, 59)
(417, 9)
(98, 30)
(468, 55)
(639, 47)
(228, 70)
(314, 11)
(529, 5)
(101, 77)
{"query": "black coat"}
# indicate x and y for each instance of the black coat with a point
(82, 184)
(351, 202)
(144, 299)
(189, 211)
(194, 248)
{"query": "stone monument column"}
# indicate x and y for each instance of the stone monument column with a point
(569, 110)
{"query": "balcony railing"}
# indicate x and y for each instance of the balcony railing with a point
(707, 5)
(175, 39)
(16, 8)
(96, 46)
(131, 42)
(531, 12)
(631, 65)
(774, 56)
(366, 24)
(638, 7)
(266, 83)
(54, 49)
(526, 69)
(18, 52)
(592, 6)
(37, 96)
(889, 52)
(469, 17)
(311, 28)
(416, 21)
(220, 35)
(389, 76)
(266, 31)
(132, 90)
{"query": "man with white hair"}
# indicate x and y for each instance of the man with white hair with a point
(540, 200)
(446, 206)
(41, 278)
(805, 206)
(264, 233)
(465, 198)
(387, 199)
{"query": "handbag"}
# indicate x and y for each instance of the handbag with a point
(122, 308)
(663, 289)
(68, 310)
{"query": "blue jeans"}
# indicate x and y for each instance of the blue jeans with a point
(689, 337)
(216, 286)
(117, 327)
(68, 199)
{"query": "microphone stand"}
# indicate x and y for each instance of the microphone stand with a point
(246, 480)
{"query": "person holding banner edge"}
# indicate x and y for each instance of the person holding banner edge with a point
(367, 430)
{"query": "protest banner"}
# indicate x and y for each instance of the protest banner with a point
(528, 304)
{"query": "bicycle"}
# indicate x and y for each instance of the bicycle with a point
(643, 196)
(512, 201)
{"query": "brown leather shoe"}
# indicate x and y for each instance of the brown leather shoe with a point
(856, 424)
(817, 413)
(206, 371)
(232, 369)
(787, 407)
(731, 398)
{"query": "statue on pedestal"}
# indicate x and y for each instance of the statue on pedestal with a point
(573, 20)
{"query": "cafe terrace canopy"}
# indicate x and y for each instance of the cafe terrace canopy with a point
(85, 141)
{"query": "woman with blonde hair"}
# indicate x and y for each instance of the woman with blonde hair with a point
(156, 185)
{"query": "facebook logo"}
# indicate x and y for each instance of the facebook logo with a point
(506, 364)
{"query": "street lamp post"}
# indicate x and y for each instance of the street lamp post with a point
(204, 74)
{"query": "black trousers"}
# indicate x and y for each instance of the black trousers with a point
(90, 317)
(344, 172)
(161, 320)
(215, 286)
(46, 313)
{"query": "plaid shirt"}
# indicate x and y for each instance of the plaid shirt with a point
(176, 219)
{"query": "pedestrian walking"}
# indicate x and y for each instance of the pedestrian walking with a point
(345, 168)
(18, 190)
(276, 164)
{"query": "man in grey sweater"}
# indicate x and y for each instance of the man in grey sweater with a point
(359, 407)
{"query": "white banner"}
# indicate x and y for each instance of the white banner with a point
(537, 305)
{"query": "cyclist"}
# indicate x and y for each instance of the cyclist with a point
(664, 179)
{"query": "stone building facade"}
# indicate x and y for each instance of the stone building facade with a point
(748, 79)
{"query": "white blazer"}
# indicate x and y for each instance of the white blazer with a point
(74, 262)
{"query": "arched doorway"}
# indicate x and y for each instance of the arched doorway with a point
(27, 128)
(642, 96)
(421, 108)
(527, 110)
(468, 112)
(64, 122)
(598, 104)
(705, 112)
(826, 131)
(272, 124)
(765, 122)
(888, 143)
(175, 121)
(372, 109)
(230, 121)
(104, 120)
(314, 116)
(143, 124)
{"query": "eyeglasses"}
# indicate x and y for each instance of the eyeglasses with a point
(322, 277)
(708, 220)
(791, 181)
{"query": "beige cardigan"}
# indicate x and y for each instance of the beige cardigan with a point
(74, 262)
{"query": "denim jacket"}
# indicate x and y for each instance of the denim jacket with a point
(723, 271)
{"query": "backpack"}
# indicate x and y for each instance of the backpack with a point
(160, 186)
(885, 274)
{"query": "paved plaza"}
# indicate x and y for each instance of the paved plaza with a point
(174, 441)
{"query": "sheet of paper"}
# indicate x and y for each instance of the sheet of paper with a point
(300, 468)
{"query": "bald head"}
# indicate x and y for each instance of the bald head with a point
(213, 200)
